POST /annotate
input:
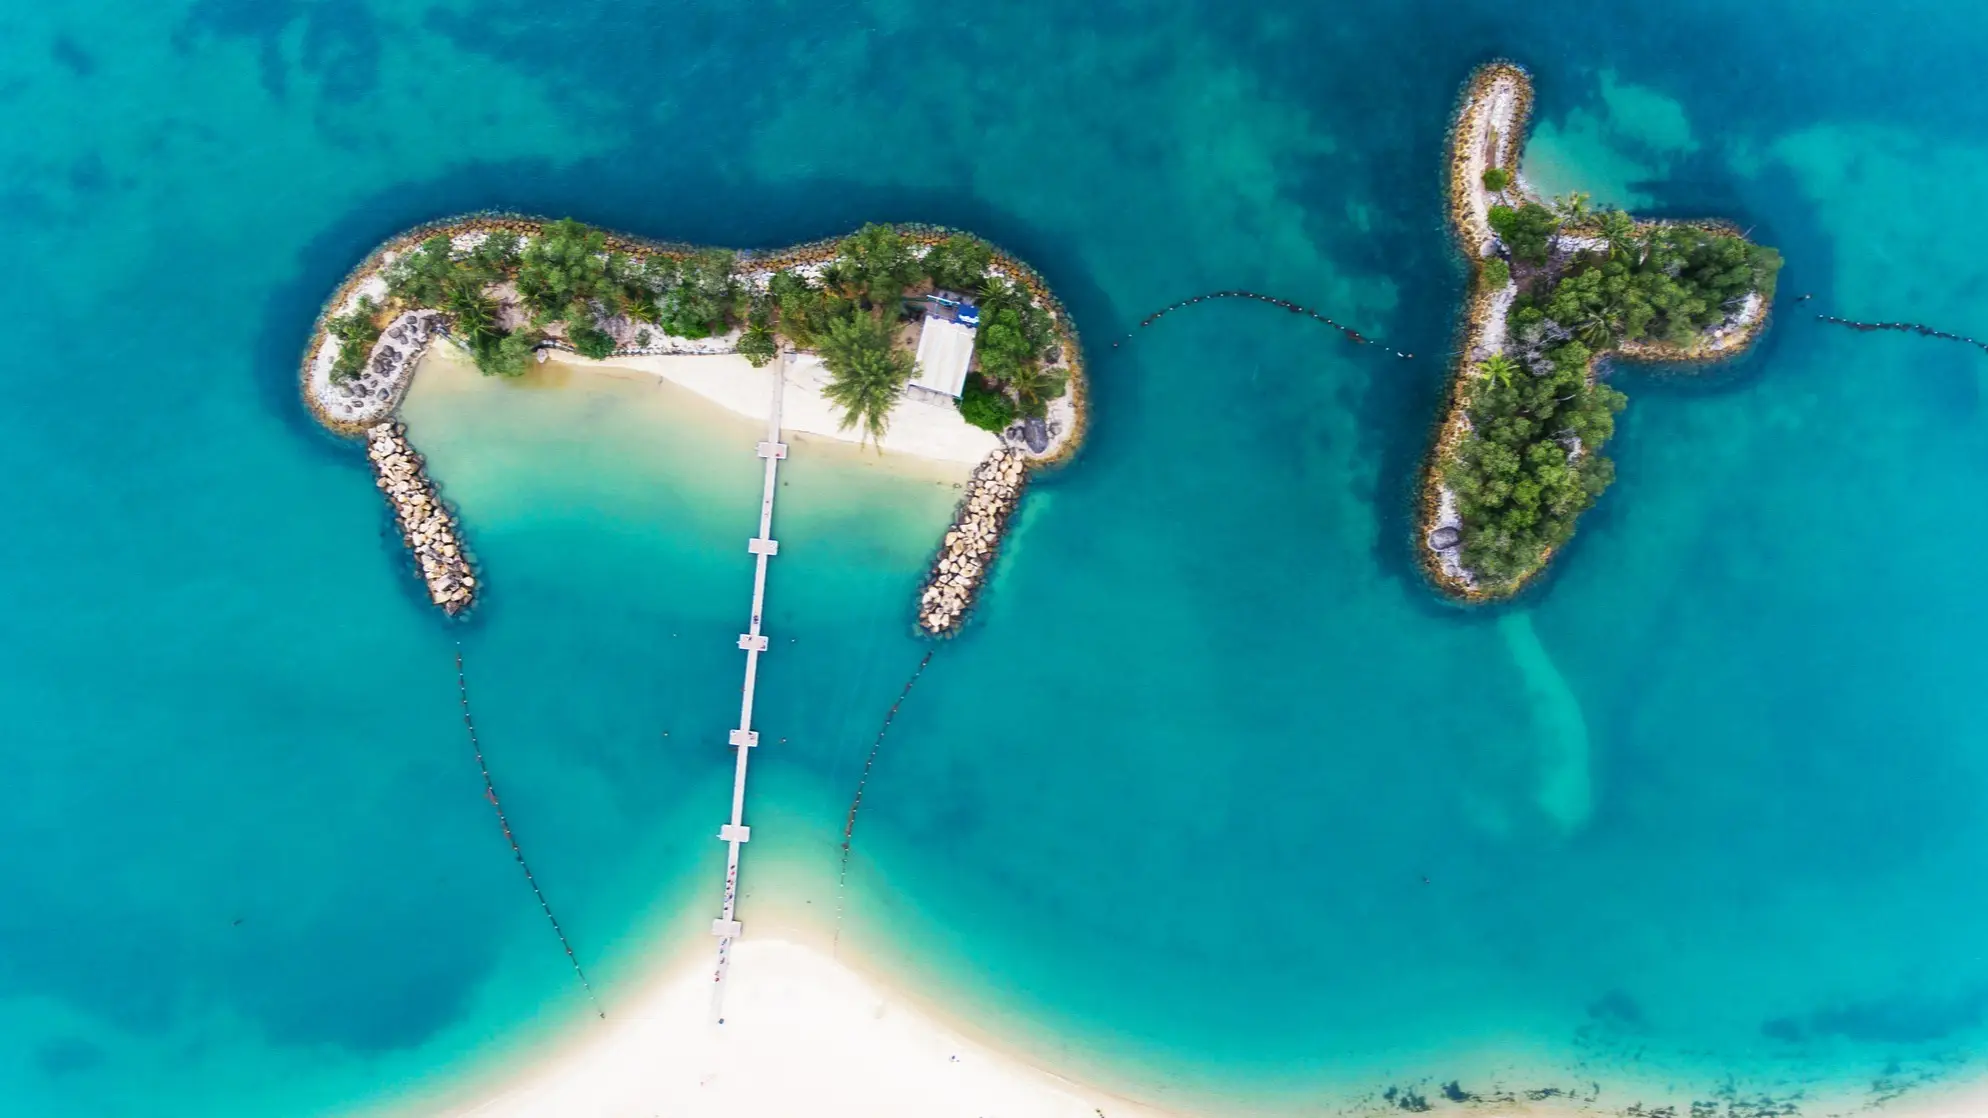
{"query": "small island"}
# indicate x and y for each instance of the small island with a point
(912, 330)
(1556, 291)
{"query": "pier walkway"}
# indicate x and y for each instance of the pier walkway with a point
(735, 833)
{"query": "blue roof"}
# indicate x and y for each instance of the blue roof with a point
(969, 315)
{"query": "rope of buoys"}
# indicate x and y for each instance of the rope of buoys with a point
(490, 793)
(856, 803)
(1352, 335)
(1918, 328)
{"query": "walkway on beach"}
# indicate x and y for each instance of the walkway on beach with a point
(735, 833)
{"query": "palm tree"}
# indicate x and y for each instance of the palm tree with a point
(1498, 369)
(995, 290)
(1618, 231)
(866, 372)
(1573, 207)
(1035, 385)
(1597, 327)
(838, 278)
(475, 315)
(880, 259)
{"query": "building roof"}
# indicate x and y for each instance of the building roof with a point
(945, 349)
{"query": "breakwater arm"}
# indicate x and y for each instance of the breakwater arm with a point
(426, 526)
(966, 554)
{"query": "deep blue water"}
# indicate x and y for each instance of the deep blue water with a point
(1704, 812)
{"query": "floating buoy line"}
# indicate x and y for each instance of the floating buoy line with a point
(1918, 328)
(490, 793)
(1352, 335)
(856, 802)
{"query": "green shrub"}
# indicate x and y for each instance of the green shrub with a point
(959, 262)
(985, 406)
(1496, 178)
(1497, 273)
(802, 308)
(506, 355)
(705, 298)
(1527, 231)
(357, 333)
(1014, 333)
(591, 341)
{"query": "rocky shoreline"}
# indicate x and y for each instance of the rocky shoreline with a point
(1489, 131)
(966, 554)
(426, 526)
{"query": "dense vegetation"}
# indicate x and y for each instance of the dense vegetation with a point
(1496, 179)
(872, 273)
(1531, 463)
(356, 333)
(985, 406)
(570, 283)
(1527, 231)
(566, 279)
(958, 263)
(1529, 466)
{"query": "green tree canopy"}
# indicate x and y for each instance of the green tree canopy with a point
(590, 340)
(877, 263)
(985, 406)
(1527, 231)
(803, 308)
(563, 270)
(1532, 462)
(1014, 333)
(421, 275)
(959, 262)
(506, 355)
(700, 295)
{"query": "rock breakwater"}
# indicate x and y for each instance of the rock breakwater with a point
(968, 550)
(425, 525)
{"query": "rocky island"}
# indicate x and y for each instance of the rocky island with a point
(910, 331)
(1557, 291)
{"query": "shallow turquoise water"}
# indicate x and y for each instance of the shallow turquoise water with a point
(1166, 812)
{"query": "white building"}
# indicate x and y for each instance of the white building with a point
(945, 349)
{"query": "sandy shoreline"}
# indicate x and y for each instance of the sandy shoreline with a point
(918, 427)
(806, 1034)
(803, 1034)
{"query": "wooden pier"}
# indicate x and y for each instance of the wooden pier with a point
(735, 833)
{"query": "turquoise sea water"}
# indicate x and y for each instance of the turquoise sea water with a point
(1704, 813)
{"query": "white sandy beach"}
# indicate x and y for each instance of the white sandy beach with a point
(921, 428)
(803, 1035)
(807, 1036)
